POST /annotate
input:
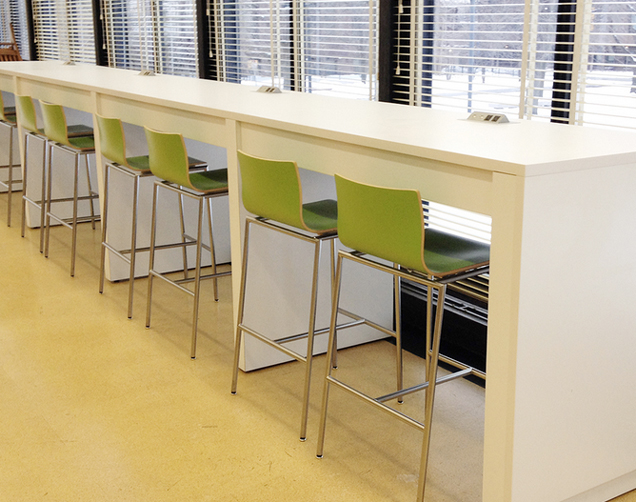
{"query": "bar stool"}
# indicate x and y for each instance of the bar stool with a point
(8, 120)
(113, 148)
(169, 162)
(271, 190)
(58, 138)
(27, 119)
(389, 224)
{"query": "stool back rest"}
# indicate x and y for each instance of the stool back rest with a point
(26, 113)
(384, 222)
(168, 157)
(2, 115)
(112, 139)
(54, 120)
(271, 189)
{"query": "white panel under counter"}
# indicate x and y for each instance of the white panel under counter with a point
(168, 230)
(278, 295)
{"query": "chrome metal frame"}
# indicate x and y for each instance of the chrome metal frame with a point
(279, 344)
(186, 241)
(433, 356)
(10, 181)
(72, 222)
(40, 204)
(128, 255)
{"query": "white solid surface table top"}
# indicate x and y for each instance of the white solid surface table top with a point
(522, 147)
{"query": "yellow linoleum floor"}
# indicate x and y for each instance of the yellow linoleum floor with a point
(96, 407)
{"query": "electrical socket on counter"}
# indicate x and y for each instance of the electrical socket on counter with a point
(495, 118)
(270, 89)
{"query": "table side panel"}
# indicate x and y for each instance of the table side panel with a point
(197, 126)
(65, 95)
(455, 185)
(575, 373)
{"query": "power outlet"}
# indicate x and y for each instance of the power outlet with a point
(495, 118)
(270, 89)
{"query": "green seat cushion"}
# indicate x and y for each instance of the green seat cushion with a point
(321, 216)
(142, 162)
(10, 114)
(82, 142)
(210, 181)
(79, 130)
(445, 253)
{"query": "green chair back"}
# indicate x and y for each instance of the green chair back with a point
(112, 139)
(54, 120)
(2, 114)
(271, 189)
(168, 157)
(383, 222)
(26, 113)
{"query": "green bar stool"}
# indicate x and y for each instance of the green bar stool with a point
(271, 190)
(389, 224)
(8, 120)
(27, 120)
(56, 132)
(113, 148)
(169, 162)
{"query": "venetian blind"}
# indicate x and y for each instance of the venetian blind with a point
(569, 61)
(158, 36)
(458, 54)
(606, 92)
(325, 47)
(13, 13)
(64, 30)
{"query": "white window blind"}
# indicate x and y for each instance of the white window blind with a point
(606, 93)
(252, 40)
(325, 47)
(159, 36)
(19, 22)
(572, 61)
(338, 47)
(13, 13)
(64, 30)
(459, 54)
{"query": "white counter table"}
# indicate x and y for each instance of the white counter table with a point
(561, 363)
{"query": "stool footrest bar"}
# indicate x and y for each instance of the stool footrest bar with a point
(273, 343)
(375, 402)
(416, 388)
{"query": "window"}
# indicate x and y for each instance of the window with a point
(606, 92)
(13, 14)
(151, 35)
(326, 46)
(64, 30)
(561, 60)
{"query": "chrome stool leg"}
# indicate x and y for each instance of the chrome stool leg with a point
(74, 224)
(102, 262)
(215, 281)
(46, 168)
(310, 339)
(331, 348)
(241, 307)
(197, 280)
(151, 262)
(397, 285)
(133, 246)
